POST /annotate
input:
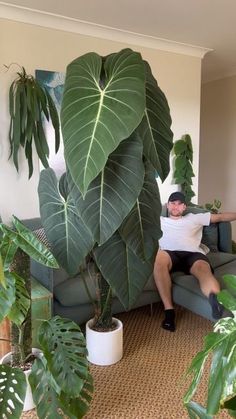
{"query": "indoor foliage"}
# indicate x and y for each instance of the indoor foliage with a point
(221, 346)
(183, 171)
(116, 132)
(60, 378)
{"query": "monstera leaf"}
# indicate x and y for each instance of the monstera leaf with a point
(21, 305)
(103, 102)
(113, 193)
(155, 127)
(12, 391)
(125, 272)
(70, 239)
(141, 228)
(61, 379)
(7, 295)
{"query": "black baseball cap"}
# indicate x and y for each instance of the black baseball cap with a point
(177, 196)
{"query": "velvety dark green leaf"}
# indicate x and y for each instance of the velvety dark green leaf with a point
(65, 350)
(141, 228)
(155, 126)
(123, 270)
(12, 391)
(113, 193)
(102, 105)
(30, 244)
(78, 407)
(68, 236)
(21, 304)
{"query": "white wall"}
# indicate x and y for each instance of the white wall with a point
(217, 172)
(37, 47)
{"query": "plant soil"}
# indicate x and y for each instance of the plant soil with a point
(105, 329)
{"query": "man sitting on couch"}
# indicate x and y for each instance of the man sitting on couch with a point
(180, 250)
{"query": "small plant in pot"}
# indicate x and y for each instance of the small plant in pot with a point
(116, 132)
(59, 377)
(220, 345)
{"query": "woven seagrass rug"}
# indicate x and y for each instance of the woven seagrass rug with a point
(146, 383)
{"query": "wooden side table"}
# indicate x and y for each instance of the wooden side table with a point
(5, 334)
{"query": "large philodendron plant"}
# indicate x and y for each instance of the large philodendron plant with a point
(60, 378)
(116, 132)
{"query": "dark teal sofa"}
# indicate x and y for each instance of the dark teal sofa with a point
(71, 299)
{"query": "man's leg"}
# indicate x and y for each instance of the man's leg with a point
(163, 282)
(209, 286)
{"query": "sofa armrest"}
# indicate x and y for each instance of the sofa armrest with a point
(225, 237)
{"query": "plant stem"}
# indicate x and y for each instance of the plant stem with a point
(21, 337)
(104, 317)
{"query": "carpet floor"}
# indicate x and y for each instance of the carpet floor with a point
(148, 382)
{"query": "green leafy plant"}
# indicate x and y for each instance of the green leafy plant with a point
(29, 102)
(183, 171)
(214, 206)
(60, 377)
(221, 345)
(116, 133)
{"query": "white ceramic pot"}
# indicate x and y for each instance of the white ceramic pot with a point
(28, 403)
(104, 348)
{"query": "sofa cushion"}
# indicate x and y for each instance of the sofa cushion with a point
(72, 291)
(210, 237)
(220, 258)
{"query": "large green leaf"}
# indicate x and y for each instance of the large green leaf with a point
(21, 305)
(155, 127)
(123, 270)
(103, 103)
(2, 276)
(113, 193)
(228, 301)
(70, 239)
(65, 350)
(7, 295)
(12, 392)
(45, 391)
(230, 283)
(195, 411)
(8, 249)
(26, 240)
(141, 228)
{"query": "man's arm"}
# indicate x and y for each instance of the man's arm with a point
(224, 216)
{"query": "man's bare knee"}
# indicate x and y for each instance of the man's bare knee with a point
(200, 266)
(163, 261)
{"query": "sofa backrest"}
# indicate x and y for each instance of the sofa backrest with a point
(217, 237)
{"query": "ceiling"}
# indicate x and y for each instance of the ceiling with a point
(204, 23)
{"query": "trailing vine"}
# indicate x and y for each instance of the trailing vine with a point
(183, 171)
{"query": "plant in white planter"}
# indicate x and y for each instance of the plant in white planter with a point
(220, 346)
(116, 131)
(60, 377)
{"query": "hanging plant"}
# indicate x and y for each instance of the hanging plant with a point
(29, 103)
(183, 171)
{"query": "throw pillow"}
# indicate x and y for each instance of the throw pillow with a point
(210, 237)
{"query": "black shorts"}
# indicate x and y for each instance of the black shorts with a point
(183, 261)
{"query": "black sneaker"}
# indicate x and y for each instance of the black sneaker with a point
(217, 308)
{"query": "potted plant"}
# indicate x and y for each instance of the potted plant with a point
(221, 345)
(116, 131)
(183, 171)
(59, 377)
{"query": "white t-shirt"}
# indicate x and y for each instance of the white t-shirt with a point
(184, 233)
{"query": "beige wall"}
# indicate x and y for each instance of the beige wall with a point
(217, 171)
(36, 47)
